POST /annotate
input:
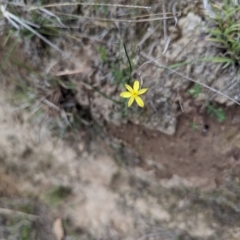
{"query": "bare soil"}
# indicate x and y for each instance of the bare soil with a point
(205, 154)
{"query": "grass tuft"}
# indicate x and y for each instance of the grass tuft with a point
(217, 112)
(58, 194)
(225, 32)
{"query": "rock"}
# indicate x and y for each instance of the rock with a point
(58, 229)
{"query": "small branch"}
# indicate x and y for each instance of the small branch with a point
(89, 4)
(130, 20)
(70, 72)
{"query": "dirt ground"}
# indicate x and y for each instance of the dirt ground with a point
(127, 183)
(205, 154)
(95, 197)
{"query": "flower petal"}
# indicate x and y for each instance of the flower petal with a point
(125, 94)
(129, 88)
(136, 85)
(130, 101)
(141, 91)
(139, 101)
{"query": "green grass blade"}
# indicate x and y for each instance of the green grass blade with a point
(180, 64)
(129, 62)
(216, 59)
(217, 40)
(103, 94)
(10, 50)
(7, 38)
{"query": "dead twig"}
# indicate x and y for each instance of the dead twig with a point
(6, 211)
(70, 72)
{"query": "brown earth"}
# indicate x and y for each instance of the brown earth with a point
(205, 154)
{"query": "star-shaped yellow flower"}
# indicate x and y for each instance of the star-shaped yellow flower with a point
(133, 94)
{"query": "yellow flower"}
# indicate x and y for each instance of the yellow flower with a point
(133, 94)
